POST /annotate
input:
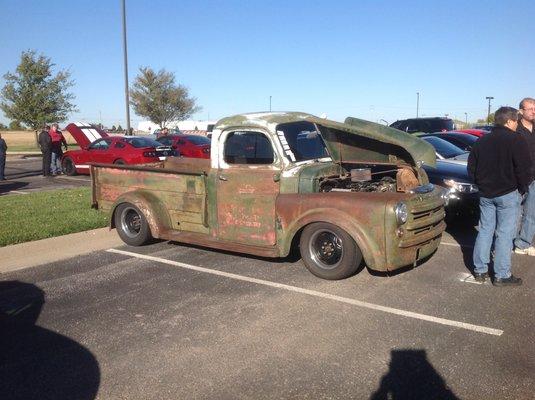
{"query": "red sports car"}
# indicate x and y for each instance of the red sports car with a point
(474, 132)
(98, 147)
(188, 145)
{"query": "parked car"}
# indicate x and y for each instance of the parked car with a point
(188, 145)
(474, 132)
(427, 125)
(461, 140)
(97, 146)
(487, 127)
(462, 195)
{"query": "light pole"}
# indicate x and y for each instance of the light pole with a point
(489, 98)
(417, 103)
(125, 55)
(466, 119)
(269, 103)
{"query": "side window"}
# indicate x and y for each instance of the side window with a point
(119, 145)
(101, 144)
(245, 147)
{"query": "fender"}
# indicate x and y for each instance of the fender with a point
(151, 207)
(373, 253)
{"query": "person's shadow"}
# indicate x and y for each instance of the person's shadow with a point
(36, 363)
(411, 376)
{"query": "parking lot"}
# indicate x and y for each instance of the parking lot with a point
(175, 321)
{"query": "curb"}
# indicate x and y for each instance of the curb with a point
(40, 252)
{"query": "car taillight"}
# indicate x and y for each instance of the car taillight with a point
(149, 154)
(206, 150)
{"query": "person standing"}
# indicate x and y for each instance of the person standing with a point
(499, 165)
(524, 239)
(57, 140)
(163, 132)
(3, 152)
(45, 144)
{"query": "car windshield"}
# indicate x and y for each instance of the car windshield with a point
(301, 141)
(199, 140)
(440, 125)
(445, 149)
(139, 142)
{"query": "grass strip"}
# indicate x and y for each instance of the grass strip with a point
(41, 215)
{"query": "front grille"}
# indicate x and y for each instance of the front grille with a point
(425, 221)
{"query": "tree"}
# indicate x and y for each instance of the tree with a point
(484, 120)
(119, 128)
(15, 126)
(156, 96)
(3, 127)
(33, 95)
(113, 128)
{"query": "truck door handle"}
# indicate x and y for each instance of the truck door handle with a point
(223, 178)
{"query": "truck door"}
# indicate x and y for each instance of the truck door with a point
(247, 187)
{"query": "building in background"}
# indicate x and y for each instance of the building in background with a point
(190, 127)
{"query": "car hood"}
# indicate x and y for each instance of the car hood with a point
(357, 140)
(446, 169)
(84, 134)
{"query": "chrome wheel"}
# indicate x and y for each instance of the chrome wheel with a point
(326, 249)
(130, 222)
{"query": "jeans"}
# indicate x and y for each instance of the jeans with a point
(498, 218)
(55, 166)
(527, 227)
(2, 166)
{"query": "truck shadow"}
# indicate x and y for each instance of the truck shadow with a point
(411, 376)
(37, 363)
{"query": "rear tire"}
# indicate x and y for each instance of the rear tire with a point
(119, 162)
(131, 224)
(67, 165)
(329, 252)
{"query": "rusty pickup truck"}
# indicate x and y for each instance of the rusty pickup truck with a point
(346, 194)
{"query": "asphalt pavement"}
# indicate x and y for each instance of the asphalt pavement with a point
(169, 321)
(98, 319)
(24, 176)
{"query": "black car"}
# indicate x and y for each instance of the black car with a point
(462, 195)
(461, 140)
(427, 125)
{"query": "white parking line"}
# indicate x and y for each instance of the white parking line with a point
(390, 310)
(17, 192)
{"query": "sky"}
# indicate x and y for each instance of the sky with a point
(361, 58)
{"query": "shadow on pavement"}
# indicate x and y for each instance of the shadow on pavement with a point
(8, 186)
(465, 234)
(36, 363)
(411, 376)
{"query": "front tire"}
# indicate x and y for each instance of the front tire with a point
(119, 162)
(329, 252)
(67, 165)
(131, 224)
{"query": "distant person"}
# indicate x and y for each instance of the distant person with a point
(3, 152)
(45, 144)
(524, 239)
(163, 132)
(57, 141)
(499, 165)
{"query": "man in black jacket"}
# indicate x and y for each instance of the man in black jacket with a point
(3, 151)
(499, 164)
(45, 143)
(524, 240)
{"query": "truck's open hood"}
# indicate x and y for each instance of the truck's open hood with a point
(358, 140)
(84, 133)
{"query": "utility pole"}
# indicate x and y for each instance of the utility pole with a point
(489, 98)
(269, 103)
(126, 96)
(417, 103)
(466, 119)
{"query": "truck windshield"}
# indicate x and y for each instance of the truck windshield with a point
(301, 141)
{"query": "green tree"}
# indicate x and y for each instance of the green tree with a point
(2, 127)
(15, 126)
(34, 95)
(156, 96)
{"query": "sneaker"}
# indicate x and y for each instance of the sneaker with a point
(481, 277)
(530, 251)
(511, 281)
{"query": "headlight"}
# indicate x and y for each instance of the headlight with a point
(461, 187)
(401, 213)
